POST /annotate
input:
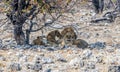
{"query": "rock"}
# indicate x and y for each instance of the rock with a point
(0, 41)
(27, 46)
(48, 21)
(47, 70)
(82, 63)
(58, 26)
(94, 70)
(47, 60)
(86, 54)
(23, 59)
(110, 49)
(29, 66)
(99, 59)
(1, 70)
(114, 69)
(90, 70)
(98, 45)
(37, 67)
(15, 67)
(2, 58)
(91, 65)
(96, 35)
(50, 49)
(86, 35)
(62, 60)
(111, 59)
(23, 46)
(85, 70)
(117, 46)
(76, 62)
(9, 53)
(2, 16)
(37, 57)
(19, 54)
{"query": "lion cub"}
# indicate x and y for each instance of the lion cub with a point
(38, 41)
(80, 43)
(54, 37)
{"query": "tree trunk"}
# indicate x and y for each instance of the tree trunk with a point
(18, 18)
(19, 34)
(27, 36)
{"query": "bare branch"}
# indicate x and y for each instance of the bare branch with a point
(46, 24)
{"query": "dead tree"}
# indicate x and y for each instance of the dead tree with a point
(18, 16)
(110, 16)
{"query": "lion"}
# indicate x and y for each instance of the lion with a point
(71, 32)
(68, 35)
(54, 37)
(38, 41)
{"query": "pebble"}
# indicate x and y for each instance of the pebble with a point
(2, 58)
(99, 59)
(98, 45)
(23, 59)
(15, 67)
(37, 67)
(110, 49)
(86, 54)
(91, 65)
(76, 62)
(86, 35)
(1, 70)
(62, 60)
(47, 70)
(47, 60)
(114, 69)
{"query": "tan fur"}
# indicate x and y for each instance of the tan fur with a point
(80, 43)
(68, 36)
(54, 37)
(38, 41)
(70, 32)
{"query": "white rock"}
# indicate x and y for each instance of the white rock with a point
(110, 59)
(2, 58)
(91, 65)
(48, 21)
(86, 54)
(23, 59)
(110, 49)
(2, 16)
(9, 53)
(15, 67)
(47, 70)
(57, 26)
(47, 60)
(76, 62)
(37, 67)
